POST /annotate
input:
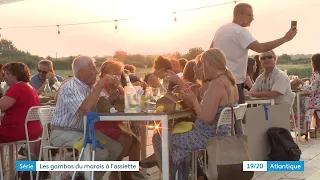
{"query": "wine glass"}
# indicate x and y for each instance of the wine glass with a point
(149, 96)
(156, 93)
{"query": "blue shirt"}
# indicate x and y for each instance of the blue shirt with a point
(37, 83)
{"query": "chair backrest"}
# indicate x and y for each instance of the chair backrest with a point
(293, 97)
(32, 114)
(226, 116)
(241, 111)
(46, 114)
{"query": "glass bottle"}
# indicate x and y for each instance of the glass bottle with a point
(47, 89)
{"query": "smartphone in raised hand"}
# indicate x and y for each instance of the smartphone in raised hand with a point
(294, 25)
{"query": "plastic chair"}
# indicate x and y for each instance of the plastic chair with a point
(240, 113)
(32, 115)
(46, 114)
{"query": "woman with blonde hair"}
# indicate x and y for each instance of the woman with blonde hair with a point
(222, 92)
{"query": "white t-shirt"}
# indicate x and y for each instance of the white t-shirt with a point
(233, 40)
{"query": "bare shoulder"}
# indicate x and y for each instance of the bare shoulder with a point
(216, 85)
(152, 77)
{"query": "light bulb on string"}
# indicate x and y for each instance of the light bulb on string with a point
(175, 18)
(235, 2)
(58, 29)
(116, 25)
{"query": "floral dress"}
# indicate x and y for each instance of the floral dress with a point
(181, 145)
(312, 100)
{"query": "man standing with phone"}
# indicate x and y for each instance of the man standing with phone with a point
(234, 39)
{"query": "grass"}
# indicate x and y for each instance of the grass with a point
(301, 70)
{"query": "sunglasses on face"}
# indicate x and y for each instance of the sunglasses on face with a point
(266, 57)
(44, 72)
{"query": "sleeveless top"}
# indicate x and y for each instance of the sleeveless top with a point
(146, 77)
(209, 130)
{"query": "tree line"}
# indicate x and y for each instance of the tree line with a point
(10, 53)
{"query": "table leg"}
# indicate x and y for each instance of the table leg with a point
(298, 116)
(165, 148)
(87, 151)
(144, 139)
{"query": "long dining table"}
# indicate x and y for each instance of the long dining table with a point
(163, 117)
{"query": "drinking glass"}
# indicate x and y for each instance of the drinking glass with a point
(149, 96)
(156, 93)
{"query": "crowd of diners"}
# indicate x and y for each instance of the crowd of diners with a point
(217, 78)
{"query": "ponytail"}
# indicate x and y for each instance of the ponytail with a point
(229, 74)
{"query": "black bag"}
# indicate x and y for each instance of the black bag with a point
(283, 147)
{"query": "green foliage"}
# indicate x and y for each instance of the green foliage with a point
(294, 59)
(193, 53)
(303, 71)
(176, 55)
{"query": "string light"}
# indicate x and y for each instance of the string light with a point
(235, 2)
(116, 21)
(58, 29)
(116, 25)
(203, 7)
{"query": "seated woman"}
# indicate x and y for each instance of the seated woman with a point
(182, 63)
(187, 79)
(222, 92)
(176, 67)
(272, 83)
(160, 66)
(192, 78)
(251, 69)
(310, 102)
(188, 72)
(116, 129)
(15, 103)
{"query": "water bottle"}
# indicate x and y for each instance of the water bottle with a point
(132, 97)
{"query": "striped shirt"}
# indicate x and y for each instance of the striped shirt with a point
(71, 96)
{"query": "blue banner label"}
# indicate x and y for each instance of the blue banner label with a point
(285, 166)
(26, 166)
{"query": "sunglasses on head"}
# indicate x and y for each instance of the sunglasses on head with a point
(44, 72)
(266, 57)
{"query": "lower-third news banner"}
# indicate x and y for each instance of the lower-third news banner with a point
(77, 165)
(286, 166)
(272, 166)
